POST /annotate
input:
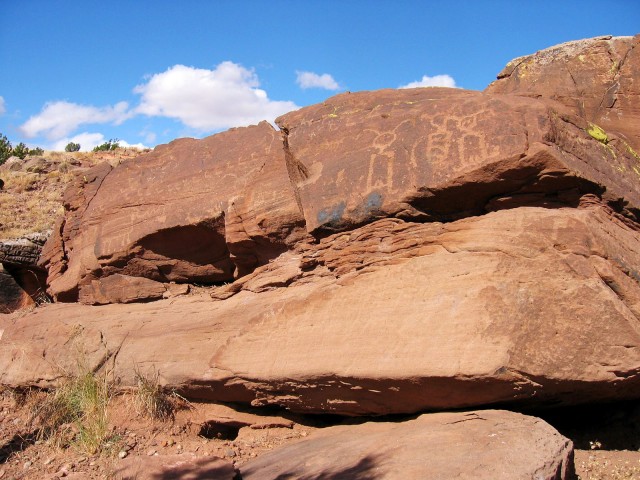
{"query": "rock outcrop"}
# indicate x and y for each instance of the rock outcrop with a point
(393, 317)
(597, 79)
(489, 444)
(386, 252)
(214, 210)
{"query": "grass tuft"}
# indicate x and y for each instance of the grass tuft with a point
(75, 414)
(151, 399)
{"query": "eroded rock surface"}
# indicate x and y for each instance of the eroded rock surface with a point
(596, 78)
(213, 210)
(191, 211)
(393, 317)
(489, 444)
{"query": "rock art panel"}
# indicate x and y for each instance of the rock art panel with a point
(444, 154)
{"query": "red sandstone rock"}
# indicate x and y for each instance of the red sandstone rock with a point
(596, 78)
(119, 288)
(489, 444)
(185, 466)
(190, 211)
(525, 306)
(216, 209)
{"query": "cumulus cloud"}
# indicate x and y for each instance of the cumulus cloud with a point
(435, 81)
(227, 96)
(59, 119)
(139, 145)
(3, 108)
(313, 80)
(88, 141)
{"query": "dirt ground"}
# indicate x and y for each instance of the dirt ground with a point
(235, 437)
(606, 447)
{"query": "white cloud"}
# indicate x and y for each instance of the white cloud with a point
(435, 81)
(59, 119)
(86, 140)
(313, 80)
(139, 146)
(227, 96)
(3, 108)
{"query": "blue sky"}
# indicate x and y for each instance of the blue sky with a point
(147, 72)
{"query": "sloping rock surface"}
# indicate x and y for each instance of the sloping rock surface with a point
(596, 78)
(489, 444)
(394, 317)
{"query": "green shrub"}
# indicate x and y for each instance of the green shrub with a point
(36, 151)
(107, 146)
(72, 147)
(5, 149)
(21, 151)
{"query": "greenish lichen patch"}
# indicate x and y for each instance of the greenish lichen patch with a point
(597, 133)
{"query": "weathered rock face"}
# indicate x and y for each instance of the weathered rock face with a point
(393, 317)
(489, 444)
(215, 209)
(596, 78)
(12, 295)
(192, 211)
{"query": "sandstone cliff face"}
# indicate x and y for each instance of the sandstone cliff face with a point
(385, 252)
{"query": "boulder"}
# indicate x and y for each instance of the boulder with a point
(595, 78)
(523, 306)
(198, 211)
(19, 258)
(119, 288)
(488, 444)
(12, 296)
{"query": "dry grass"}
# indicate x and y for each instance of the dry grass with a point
(31, 202)
(150, 399)
(75, 414)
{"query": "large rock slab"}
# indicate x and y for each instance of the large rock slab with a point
(443, 154)
(596, 78)
(489, 444)
(191, 211)
(524, 306)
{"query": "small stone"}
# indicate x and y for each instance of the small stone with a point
(122, 454)
(48, 460)
(151, 453)
(229, 453)
(27, 464)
